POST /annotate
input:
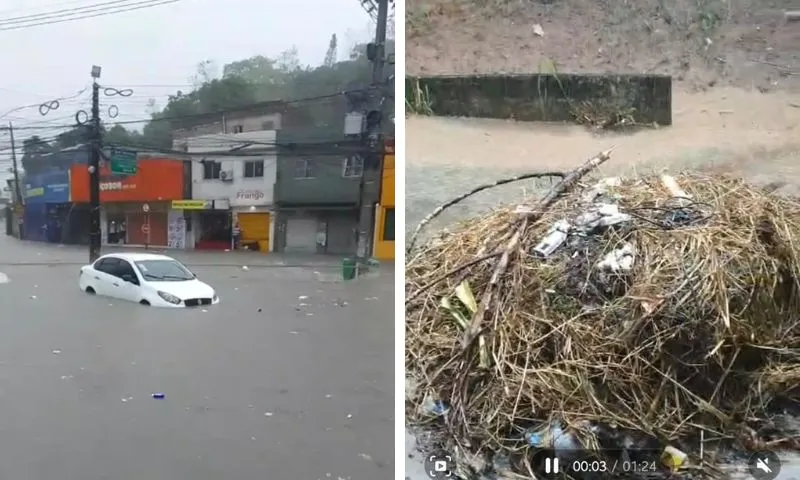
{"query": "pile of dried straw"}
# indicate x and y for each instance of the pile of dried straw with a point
(699, 334)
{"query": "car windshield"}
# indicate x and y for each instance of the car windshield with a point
(164, 270)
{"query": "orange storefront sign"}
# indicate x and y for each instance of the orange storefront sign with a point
(156, 180)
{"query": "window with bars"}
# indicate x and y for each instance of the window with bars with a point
(254, 169)
(304, 169)
(353, 166)
(211, 170)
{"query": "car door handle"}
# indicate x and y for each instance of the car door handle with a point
(116, 284)
(97, 278)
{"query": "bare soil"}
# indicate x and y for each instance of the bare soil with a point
(700, 43)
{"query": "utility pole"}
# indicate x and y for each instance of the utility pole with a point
(17, 191)
(373, 160)
(95, 142)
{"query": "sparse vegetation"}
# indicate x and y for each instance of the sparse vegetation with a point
(420, 102)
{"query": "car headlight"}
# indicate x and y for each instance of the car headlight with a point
(214, 298)
(168, 297)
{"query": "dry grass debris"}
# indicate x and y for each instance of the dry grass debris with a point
(699, 335)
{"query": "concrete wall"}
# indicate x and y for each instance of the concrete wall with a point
(543, 97)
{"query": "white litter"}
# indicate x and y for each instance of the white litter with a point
(349, 415)
(303, 297)
(33, 297)
(602, 215)
(267, 414)
(538, 30)
(204, 310)
(554, 238)
(619, 259)
(245, 267)
(56, 352)
(4, 278)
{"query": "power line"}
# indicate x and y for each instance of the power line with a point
(60, 13)
(36, 105)
(109, 11)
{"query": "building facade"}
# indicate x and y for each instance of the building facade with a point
(384, 213)
(137, 209)
(317, 194)
(47, 206)
(232, 192)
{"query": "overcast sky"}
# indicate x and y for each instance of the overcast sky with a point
(155, 50)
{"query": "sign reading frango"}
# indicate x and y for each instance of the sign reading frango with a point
(191, 204)
(250, 195)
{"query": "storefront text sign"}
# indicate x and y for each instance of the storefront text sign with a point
(250, 195)
(191, 204)
(116, 186)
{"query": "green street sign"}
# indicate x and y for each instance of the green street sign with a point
(123, 162)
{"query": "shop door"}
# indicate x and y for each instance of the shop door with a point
(301, 235)
(341, 235)
(254, 228)
(137, 232)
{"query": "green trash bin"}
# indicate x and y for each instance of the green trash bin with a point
(349, 268)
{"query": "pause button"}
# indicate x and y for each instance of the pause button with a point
(550, 465)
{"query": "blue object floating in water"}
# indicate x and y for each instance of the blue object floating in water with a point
(159, 396)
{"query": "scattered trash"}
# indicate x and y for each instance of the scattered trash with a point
(56, 352)
(204, 310)
(555, 437)
(294, 332)
(66, 377)
(365, 457)
(619, 259)
(33, 297)
(538, 30)
(309, 314)
(554, 238)
(370, 298)
(598, 216)
(673, 458)
(267, 414)
(435, 407)
(329, 396)
(301, 305)
(349, 415)
(252, 438)
(303, 297)
(259, 310)
(159, 396)
(245, 267)
(126, 399)
(340, 303)
(4, 278)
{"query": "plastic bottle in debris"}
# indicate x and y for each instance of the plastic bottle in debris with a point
(554, 238)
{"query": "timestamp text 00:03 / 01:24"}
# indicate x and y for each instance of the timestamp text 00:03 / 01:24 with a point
(600, 466)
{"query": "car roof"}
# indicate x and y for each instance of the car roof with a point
(138, 257)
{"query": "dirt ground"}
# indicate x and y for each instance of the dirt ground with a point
(700, 43)
(736, 91)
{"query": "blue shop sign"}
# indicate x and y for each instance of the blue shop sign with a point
(47, 188)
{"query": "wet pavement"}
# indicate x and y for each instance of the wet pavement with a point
(301, 389)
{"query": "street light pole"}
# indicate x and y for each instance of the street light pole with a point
(373, 159)
(95, 235)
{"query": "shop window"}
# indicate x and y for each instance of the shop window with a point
(238, 129)
(304, 169)
(254, 168)
(211, 170)
(388, 225)
(353, 166)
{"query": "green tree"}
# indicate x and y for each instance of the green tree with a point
(331, 55)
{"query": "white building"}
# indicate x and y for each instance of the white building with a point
(235, 189)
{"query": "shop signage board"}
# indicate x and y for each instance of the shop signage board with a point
(191, 204)
(123, 162)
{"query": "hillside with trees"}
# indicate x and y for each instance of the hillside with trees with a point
(244, 82)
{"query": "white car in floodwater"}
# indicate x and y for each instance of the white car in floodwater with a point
(148, 279)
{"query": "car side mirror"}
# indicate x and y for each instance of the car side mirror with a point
(129, 278)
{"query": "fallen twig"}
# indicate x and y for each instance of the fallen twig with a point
(453, 271)
(438, 211)
(566, 183)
